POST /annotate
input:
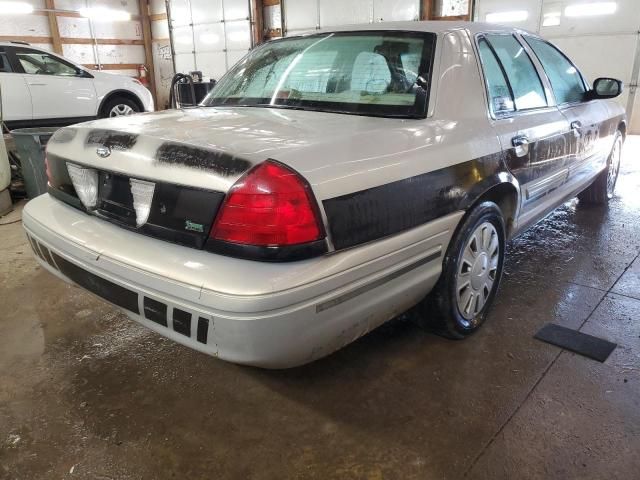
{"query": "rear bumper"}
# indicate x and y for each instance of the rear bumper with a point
(268, 315)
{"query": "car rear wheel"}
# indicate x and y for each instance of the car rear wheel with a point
(602, 190)
(119, 107)
(472, 270)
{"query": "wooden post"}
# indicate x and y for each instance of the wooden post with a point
(53, 26)
(148, 51)
(257, 9)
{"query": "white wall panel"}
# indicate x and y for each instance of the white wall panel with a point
(212, 64)
(589, 53)
(396, 10)
(206, 11)
(159, 29)
(121, 53)
(130, 6)
(532, 7)
(79, 53)
(157, 6)
(238, 35)
(626, 19)
(183, 40)
(341, 12)
(127, 72)
(35, 3)
(74, 27)
(234, 56)
(36, 25)
(185, 62)
(300, 15)
(44, 46)
(180, 12)
(126, 30)
(209, 38)
(236, 9)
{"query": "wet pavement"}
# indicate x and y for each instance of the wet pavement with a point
(85, 393)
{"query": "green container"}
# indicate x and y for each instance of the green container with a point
(31, 143)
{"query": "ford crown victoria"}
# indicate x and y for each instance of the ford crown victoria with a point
(327, 184)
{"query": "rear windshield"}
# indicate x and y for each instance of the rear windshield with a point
(369, 73)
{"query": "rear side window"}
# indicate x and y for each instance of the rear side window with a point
(500, 97)
(523, 78)
(4, 62)
(565, 79)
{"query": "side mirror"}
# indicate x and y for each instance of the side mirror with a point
(606, 88)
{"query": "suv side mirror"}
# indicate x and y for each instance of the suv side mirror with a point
(605, 88)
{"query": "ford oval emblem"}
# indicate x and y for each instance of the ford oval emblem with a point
(103, 152)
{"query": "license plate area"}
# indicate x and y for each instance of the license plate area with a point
(115, 199)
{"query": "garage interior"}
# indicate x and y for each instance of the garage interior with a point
(87, 393)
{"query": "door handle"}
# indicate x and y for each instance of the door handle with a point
(576, 125)
(521, 144)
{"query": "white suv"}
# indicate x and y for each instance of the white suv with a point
(41, 88)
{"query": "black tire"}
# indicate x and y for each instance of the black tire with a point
(440, 310)
(601, 191)
(114, 102)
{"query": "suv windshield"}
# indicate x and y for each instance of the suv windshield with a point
(369, 73)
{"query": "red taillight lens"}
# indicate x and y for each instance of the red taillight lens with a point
(270, 206)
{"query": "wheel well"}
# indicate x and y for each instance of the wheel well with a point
(122, 94)
(623, 129)
(505, 195)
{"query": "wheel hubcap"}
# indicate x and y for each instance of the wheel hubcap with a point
(121, 110)
(614, 168)
(477, 271)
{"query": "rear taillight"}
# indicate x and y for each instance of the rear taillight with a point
(269, 206)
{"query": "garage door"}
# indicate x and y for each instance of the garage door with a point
(306, 15)
(209, 35)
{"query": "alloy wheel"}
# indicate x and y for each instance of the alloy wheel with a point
(121, 110)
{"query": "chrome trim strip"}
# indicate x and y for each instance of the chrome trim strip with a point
(381, 281)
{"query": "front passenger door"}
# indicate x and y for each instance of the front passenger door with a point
(589, 146)
(58, 89)
(16, 99)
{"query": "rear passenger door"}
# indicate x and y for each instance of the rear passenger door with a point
(533, 132)
(588, 146)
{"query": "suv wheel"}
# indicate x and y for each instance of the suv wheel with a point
(119, 107)
(472, 270)
(602, 190)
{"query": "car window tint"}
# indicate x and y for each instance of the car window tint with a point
(39, 63)
(4, 63)
(565, 79)
(500, 99)
(525, 82)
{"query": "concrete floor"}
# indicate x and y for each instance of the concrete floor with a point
(85, 393)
